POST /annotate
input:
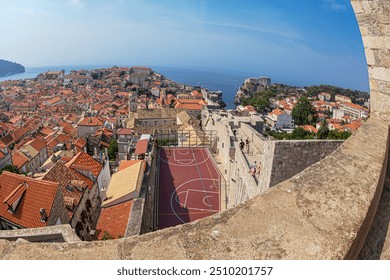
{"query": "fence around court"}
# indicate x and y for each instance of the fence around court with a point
(186, 138)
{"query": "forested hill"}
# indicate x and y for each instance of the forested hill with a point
(8, 68)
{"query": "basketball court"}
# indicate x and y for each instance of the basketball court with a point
(189, 186)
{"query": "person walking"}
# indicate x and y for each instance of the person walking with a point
(242, 144)
(247, 145)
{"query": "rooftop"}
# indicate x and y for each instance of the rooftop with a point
(39, 194)
(124, 182)
(114, 220)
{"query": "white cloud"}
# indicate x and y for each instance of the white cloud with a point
(33, 12)
(77, 3)
(334, 5)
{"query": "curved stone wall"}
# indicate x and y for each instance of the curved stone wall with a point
(324, 212)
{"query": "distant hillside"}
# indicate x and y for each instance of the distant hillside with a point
(356, 95)
(8, 68)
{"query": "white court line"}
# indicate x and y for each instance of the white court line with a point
(174, 164)
(176, 191)
(182, 153)
(206, 202)
(185, 201)
(186, 161)
(203, 191)
(206, 196)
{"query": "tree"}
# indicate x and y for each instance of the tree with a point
(10, 168)
(339, 135)
(323, 132)
(304, 113)
(299, 133)
(112, 149)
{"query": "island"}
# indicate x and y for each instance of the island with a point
(8, 68)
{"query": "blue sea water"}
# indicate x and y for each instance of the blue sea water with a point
(213, 79)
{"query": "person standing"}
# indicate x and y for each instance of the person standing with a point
(258, 168)
(242, 144)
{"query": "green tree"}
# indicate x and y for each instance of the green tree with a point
(304, 113)
(339, 135)
(10, 168)
(112, 149)
(299, 133)
(323, 132)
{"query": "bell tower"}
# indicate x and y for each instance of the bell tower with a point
(132, 103)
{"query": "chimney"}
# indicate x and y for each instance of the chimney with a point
(42, 211)
(95, 153)
(103, 194)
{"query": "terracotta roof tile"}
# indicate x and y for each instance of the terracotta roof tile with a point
(114, 220)
(18, 159)
(38, 144)
(39, 194)
(127, 163)
(141, 147)
(85, 161)
(16, 194)
(91, 121)
(65, 177)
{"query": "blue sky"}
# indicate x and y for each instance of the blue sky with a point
(302, 42)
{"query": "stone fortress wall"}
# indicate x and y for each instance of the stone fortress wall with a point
(280, 160)
(331, 207)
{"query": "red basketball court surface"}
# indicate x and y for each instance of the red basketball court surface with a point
(189, 186)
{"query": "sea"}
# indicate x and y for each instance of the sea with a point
(227, 81)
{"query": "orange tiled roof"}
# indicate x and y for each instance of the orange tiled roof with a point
(20, 132)
(277, 112)
(80, 143)
(52, 143)
(64, 177)
(124, 131)
(38, 144)
(8, 139)
(92, 121)
(39, 194)
(63, 138)
(85, 161)
(310, 128)
(141, 147)
(114, 220)
(190, 106)
(127, 163)
(15, 194)
(19, 160)
(356, 106)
